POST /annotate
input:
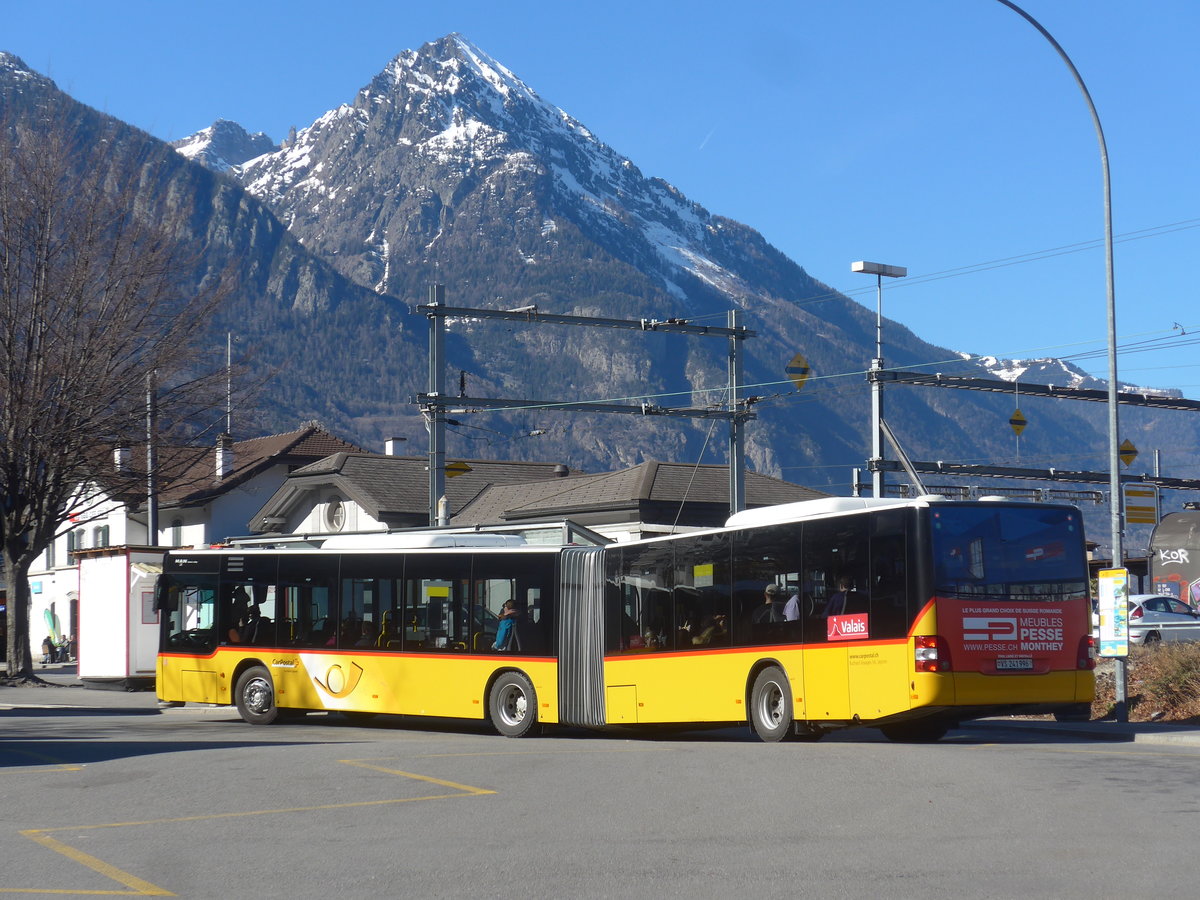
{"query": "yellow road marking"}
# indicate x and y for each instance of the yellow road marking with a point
(140, 888)
(543, 752)
(137, 886)
(54, 764)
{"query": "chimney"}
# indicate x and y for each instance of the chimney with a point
(122, 456)
(391, 447)
(224, 456)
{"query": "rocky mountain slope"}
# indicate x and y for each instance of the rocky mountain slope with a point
(446, 168)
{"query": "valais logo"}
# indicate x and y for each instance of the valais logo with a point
(846, 628)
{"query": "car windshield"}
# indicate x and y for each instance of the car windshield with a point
(1008, 552)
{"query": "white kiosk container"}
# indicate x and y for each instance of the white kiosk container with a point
(118, 625)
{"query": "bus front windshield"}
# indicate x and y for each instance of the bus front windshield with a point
(998, 551)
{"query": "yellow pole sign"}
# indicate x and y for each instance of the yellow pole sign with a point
(1128, 452)
(456, 468)
(1141, 504)
(798, 370)
(1018, 422)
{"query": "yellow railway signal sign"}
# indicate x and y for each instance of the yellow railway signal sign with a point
(456, 468)
(1128, 452)
(1018, 422)
(798, 370)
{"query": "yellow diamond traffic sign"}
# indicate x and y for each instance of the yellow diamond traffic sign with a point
(1017, 421)
(456, 468)
(1128, 452)
(798, 370)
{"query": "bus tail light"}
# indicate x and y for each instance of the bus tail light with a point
(1087, 652)
(931, 653)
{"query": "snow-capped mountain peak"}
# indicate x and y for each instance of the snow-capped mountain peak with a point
(224, 144)
(1057, 372)
(449, 114)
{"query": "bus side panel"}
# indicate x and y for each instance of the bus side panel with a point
(879, 678)
(450, 686)
(708, 686)
(827, 683)
(167, 678)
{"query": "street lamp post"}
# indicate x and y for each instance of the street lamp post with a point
(1114, 451)
(879, 270)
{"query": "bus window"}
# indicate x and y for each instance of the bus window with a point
(528, 583)
(1008, 552)
(891, 571)
(364, 602)
(191, 621)
(436, 593)
(639, 603)
(837, 564)
(762, 557)
(310, 617)
(701, 593)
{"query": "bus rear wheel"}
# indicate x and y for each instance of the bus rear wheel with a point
(771, 705)
(512, 705)
(255, 696)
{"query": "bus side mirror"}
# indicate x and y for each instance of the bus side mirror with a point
(164, 599)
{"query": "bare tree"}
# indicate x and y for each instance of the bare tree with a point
(94, 298)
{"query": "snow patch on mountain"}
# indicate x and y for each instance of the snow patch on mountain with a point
(223, 145)
(1059, 373)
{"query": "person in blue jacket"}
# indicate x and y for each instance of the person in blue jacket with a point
(504, 631)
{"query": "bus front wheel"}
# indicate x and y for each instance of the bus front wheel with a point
(512, 705)
(255, 696)
(771, 705)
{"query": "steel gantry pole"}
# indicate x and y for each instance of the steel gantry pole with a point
(737, 435)
(436, 420)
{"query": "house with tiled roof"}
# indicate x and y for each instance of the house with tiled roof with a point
(205, 494)
(647, 499)
(359, 493)
(349, 492)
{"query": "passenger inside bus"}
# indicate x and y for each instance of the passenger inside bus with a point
(506, 638)
(846, 599)
(367, 638)
(239, 615)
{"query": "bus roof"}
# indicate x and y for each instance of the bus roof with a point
(417, 540)
(789, 512)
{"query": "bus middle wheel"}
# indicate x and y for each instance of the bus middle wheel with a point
(771, 705)
(512, 705)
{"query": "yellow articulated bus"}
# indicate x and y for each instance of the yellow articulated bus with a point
(906, 615)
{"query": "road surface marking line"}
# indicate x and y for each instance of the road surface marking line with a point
(137, 886)
(140, 888)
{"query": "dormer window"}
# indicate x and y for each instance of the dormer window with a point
(335, 514)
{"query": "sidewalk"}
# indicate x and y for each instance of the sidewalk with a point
(64, 690)
(1135, 732)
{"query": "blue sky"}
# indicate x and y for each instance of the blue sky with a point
(941, 135)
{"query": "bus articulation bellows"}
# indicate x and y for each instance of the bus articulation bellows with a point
(904, 615)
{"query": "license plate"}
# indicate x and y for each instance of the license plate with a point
(1014, 664)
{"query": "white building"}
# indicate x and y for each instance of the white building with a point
(204, 496)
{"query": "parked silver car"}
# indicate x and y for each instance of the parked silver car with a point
(1155, 618)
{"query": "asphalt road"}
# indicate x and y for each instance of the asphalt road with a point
(117, 797)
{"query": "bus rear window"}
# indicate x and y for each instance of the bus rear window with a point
(1014, 552)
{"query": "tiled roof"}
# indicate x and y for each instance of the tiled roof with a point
(187, 475)
(654, 482)
(390, 486)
